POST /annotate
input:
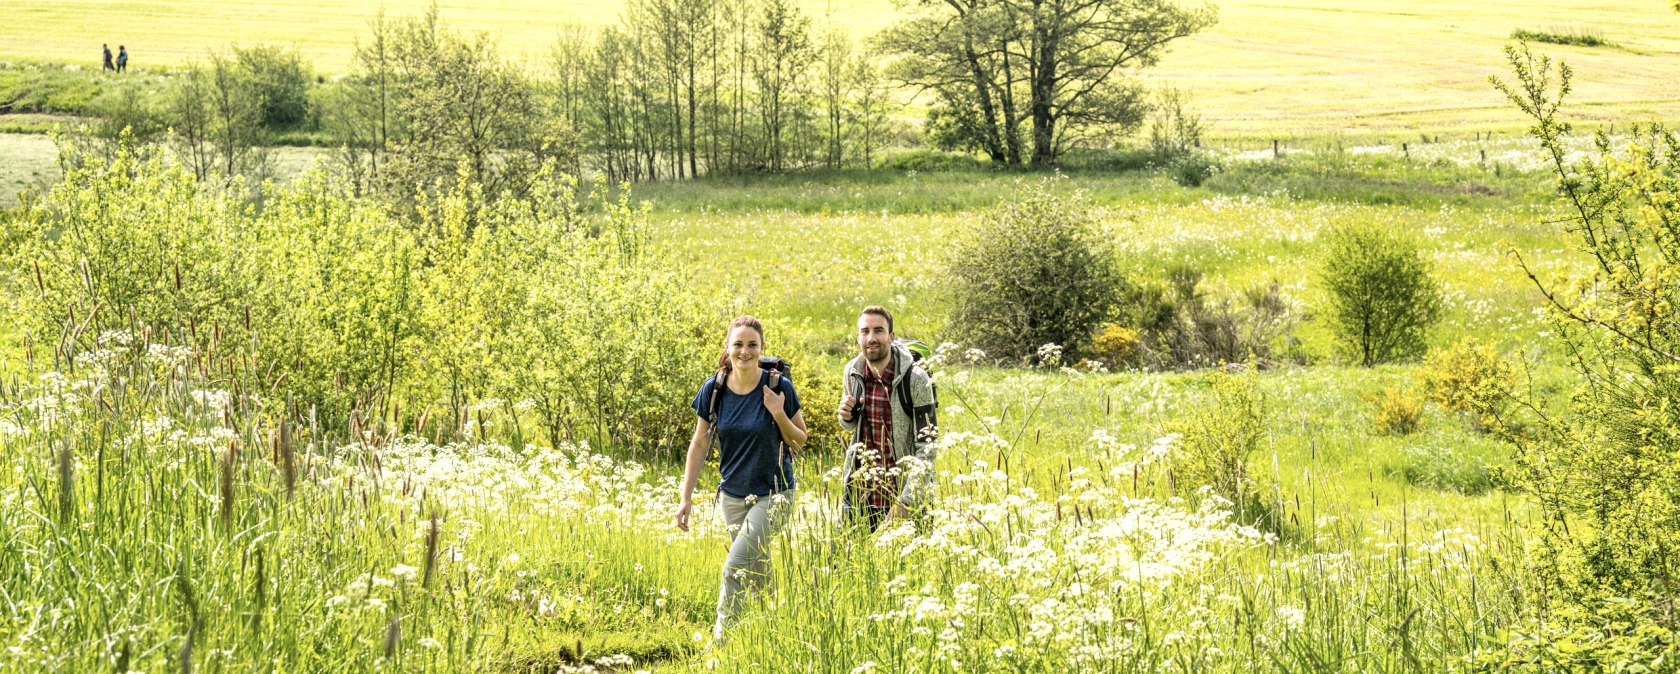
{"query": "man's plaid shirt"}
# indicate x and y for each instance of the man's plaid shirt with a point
(877, 414)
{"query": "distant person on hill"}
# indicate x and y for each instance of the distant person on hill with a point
(107, 49)
(752, 413)
(889, 407)
(122, 59)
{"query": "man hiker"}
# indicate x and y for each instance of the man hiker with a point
(122, 59)
(888, 406)
(107, 49)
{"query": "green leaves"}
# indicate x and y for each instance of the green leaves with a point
(335, 302)
(1033, 273)
(1605, 473)
(1383, 299)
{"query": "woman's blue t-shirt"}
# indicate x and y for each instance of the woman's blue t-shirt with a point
(750, 456)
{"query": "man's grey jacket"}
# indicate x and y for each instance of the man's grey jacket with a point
(915, 428)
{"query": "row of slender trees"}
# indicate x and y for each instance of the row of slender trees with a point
(683, 88)
(694, 87)
(687, 88)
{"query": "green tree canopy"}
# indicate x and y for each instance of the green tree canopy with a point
(1044, 71)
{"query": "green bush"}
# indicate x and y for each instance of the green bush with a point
(578, 314)
(313, 286)
(1383, 300)
(1191, 169)
(1602, 633)
(555, 303)
(280, 80)
(1033, 272)
(1115, 344)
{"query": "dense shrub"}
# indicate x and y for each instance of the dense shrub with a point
(130, 109)
(588, 322)
(1383, 300)
(326, 300)
(280, 80)
(1397, 412)
(1033, 272)
(1116, 344)
(1192, 169)
(1181, 326)
(954, 128)
(1471, 379)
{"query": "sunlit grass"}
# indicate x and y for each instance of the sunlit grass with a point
(181, 537)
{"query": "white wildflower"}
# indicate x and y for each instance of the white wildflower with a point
(1293, 618)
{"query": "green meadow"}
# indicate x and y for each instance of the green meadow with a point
(291, 427)
(1057, 542)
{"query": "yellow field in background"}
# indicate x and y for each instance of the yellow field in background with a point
(1303, 68)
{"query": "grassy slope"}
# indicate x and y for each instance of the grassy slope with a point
(813, 248)
(1303, 68)
(805, 251)
(1311, 67)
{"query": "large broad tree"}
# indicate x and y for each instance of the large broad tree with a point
(1011, 72)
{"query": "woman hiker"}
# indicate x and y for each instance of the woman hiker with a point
(755, 414)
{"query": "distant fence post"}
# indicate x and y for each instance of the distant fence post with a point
(1275, 154)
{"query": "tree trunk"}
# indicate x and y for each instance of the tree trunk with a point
(988, 111)
(1043, 93)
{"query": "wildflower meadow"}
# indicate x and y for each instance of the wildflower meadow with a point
(305, 426)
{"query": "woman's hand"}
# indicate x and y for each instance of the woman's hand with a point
(775, 402)
(681, 518)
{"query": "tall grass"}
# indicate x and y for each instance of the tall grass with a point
(157, 522)
(154, 520)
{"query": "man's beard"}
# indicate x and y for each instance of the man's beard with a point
(878, 363)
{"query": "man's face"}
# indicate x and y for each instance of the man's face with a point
(873, 337)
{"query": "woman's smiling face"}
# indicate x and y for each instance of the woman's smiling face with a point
(744, 345)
